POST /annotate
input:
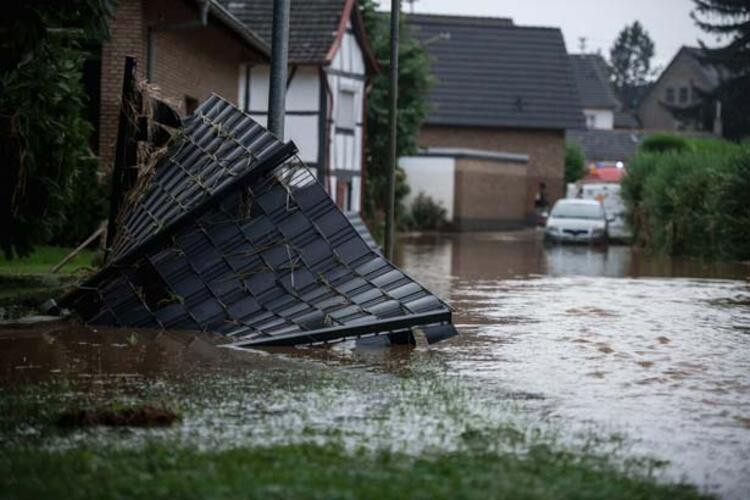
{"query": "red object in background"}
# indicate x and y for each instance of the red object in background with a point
(605, 174)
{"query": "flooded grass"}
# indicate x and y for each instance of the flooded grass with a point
(43, 259)
(160, 469)
(333, 430)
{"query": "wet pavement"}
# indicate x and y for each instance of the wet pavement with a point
(657, 350)
(653, 353)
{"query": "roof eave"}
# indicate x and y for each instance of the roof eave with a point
(352, 12)
(221, 14)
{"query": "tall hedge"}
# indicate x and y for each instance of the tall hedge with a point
(48, 184)
(694, 201)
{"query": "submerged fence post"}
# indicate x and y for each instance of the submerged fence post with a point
(392, 122)
(279, 58)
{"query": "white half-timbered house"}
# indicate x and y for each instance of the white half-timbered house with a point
(330, 63)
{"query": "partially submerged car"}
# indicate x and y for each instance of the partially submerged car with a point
(577, 221)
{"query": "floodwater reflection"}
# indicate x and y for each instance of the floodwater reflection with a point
(656, 349)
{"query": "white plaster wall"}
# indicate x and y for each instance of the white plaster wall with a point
(302, 104)
(603, 119)
(347, 72)
(435, 176)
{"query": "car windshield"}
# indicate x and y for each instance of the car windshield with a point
(577, 211)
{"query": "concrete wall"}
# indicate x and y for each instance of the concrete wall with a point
(682, 72)
(432, 175)
(189, 62)
(545, 148)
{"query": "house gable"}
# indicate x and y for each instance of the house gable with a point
(325, 104)
(675, 86)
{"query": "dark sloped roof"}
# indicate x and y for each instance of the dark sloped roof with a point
(492, 73)
(315, 26)
(594, 88)
(626, 120)
(607, 145)
(232, 23)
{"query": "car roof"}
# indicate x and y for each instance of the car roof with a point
(573, 201)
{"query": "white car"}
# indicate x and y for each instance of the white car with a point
(576, 221)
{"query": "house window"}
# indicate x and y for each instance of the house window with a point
(191, 103)
(670, 94)
(683, 95)
(346, 116)
(590, 120)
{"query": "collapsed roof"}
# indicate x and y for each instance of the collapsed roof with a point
(232, 234)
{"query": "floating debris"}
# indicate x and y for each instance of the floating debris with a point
(136, 416)
(233, 234)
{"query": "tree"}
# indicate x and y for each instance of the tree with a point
(415, 81)
(729, 20)
(43, 130)
(575, 165)
(630, 60)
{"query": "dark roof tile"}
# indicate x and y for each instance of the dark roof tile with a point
(594, 89)
(492, 73)
(313, 24)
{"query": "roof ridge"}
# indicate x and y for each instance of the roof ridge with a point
(480, 21)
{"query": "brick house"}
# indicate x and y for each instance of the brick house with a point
(187, 48)
(501, 88)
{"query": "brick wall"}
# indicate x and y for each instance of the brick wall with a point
(189, 62)
(128, 33)
(545, 148)
(489, 194)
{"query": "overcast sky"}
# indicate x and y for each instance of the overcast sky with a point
(668, 22)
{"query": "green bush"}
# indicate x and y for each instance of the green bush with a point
(44, 132)
(427, 214)
(662, 143)
(575, 165)
(85, 205)
(692, 202)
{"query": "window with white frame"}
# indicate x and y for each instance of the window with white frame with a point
(346, 116)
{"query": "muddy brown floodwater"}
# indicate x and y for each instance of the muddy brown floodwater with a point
(655, 349)
(654, 352)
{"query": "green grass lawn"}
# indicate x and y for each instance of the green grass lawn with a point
(164, 470)
(43, 259)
